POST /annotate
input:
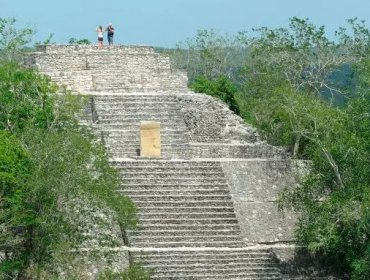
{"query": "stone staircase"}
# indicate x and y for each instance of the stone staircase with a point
(119, 117)
(188, 226)
(209, 264)
(180, 204)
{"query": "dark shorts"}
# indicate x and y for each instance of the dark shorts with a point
(110, 38)
(100, 39)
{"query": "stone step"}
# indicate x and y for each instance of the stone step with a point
(108, 98)
(167, 134)
(152, 109)
(173, 168)
(129, 126)
(207, 261)
(179, 185)
(116, 63)
(174, 175)
(184, 234)
(135, 139)
(188, 225)
(161, 79)
(233, 268)
(166, 192)
(118, 114)
(136, 147)
(191, 253)
(130, 142)
(229, 276)
(131, 136)
(190, 180)
(182, 242)
(135, 150)
(126, 135)
(176, 168)
(169, 131)
(143, 72)
(175, 154)
(216, 220)
(145, 82)
(132, 88)
(139, 116)
(163, 165)
(166, 152)
(171, 110)
(168, 98)
(136, 126)
(181, 198)
(161, 105)
(193, 217)
(187, 209)
(192, 203)
(166, 163)
(223, 275)
(136, 144)
(138, 102)
(135, 122)
(167, 148)
(169, 119)
(130, 139)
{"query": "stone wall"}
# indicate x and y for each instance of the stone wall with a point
(255, 186)
(224, 150)
(115, 69)
(216, 132)
(210, 121)
(100, 235)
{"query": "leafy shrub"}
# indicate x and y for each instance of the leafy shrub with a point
(46, 160)
(134, 272)
(221, 88)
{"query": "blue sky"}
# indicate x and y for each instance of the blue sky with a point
(166, 22)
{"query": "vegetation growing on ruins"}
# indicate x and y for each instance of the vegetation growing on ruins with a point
(79, 41)
(311, 94)
(49, 164)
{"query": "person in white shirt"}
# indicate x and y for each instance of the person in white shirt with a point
(100, 32)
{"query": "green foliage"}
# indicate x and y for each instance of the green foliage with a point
(13, 40)
(47, 163)
(222, 88)
(15, 170)
(79, 41)
(311, 95)
(210, 55)
(25, 98)
(285, 79)
(47, 41)
(135, 271)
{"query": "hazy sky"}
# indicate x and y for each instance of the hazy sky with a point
(166, 22)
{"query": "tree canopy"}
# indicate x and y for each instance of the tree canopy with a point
(310, 94)
(49, 164)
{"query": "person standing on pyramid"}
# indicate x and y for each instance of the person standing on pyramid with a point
(110, 32)
(100, 32)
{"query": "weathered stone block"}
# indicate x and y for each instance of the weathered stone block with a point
(150, 139)
(255, 186)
